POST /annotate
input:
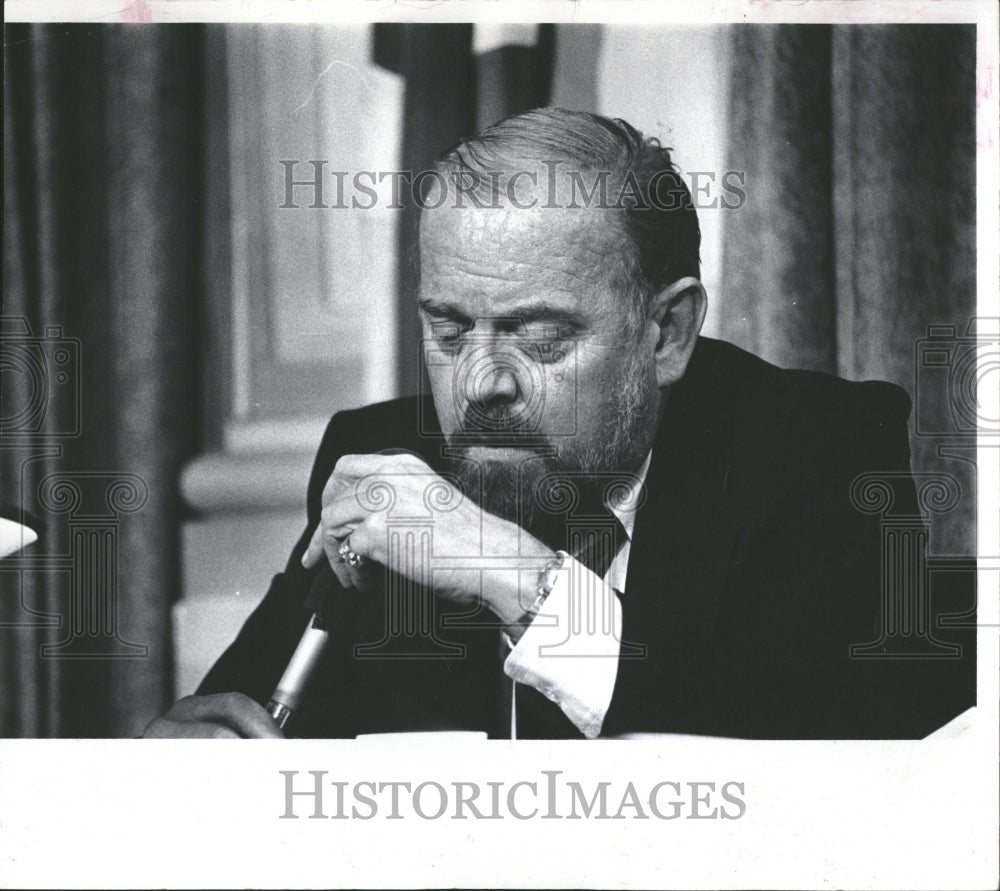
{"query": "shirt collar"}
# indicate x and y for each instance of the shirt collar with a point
(625, 503)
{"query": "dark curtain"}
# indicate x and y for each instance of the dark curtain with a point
(858, 232)
(450, 93)
(100, 333)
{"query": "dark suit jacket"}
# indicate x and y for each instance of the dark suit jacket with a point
(751, 575)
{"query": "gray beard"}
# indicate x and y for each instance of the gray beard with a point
(528, 491)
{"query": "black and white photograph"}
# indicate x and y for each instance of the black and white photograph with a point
(565, 440)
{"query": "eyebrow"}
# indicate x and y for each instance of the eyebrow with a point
(444, 310)
(541, 311)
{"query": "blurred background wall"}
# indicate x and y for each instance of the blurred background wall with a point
(206, 332)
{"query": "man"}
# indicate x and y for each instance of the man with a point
(601, 523)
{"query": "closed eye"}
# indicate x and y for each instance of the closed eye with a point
(448, 333)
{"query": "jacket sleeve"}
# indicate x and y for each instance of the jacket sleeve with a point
(893, 673)
(254, 662)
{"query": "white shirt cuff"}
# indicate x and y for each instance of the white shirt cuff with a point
(569, 652)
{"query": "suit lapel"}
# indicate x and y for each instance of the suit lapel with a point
(684, 537)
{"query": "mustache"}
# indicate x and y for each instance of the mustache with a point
(497, 425)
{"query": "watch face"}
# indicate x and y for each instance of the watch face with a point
(547, 578)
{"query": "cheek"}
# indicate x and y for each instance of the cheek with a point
(577, 392)
(443, 393)
(603, 378)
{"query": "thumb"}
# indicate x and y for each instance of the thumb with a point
(315, 550)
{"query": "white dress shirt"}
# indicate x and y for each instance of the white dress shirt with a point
(569, 652)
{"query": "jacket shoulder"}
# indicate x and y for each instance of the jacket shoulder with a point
(796, 436)
(767, 401)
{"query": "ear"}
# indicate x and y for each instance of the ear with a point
(676, 316)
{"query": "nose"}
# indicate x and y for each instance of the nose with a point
(499, 387)
(496, 383)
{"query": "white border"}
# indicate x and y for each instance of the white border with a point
(637, 12)
(844, 814)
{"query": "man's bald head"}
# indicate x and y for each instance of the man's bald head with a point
(578, 159)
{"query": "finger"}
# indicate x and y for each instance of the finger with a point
(357, 574)
(400, 452)
(315, 549)
(342, 479)
(345, 504)
(343, 573)
(347, 470)
(357, 540)
(341, 517)
(163, 729)
(219, 731)
(351, 469)
(363, 577)
(246, 717)
(235, 710)
(331, 547)
(369, 539)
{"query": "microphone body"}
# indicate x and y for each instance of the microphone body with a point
(288, 694)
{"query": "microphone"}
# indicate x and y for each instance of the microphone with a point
(288, 694)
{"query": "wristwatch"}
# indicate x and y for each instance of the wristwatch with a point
(547, 578)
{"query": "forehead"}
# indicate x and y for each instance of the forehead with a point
(492, 255)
